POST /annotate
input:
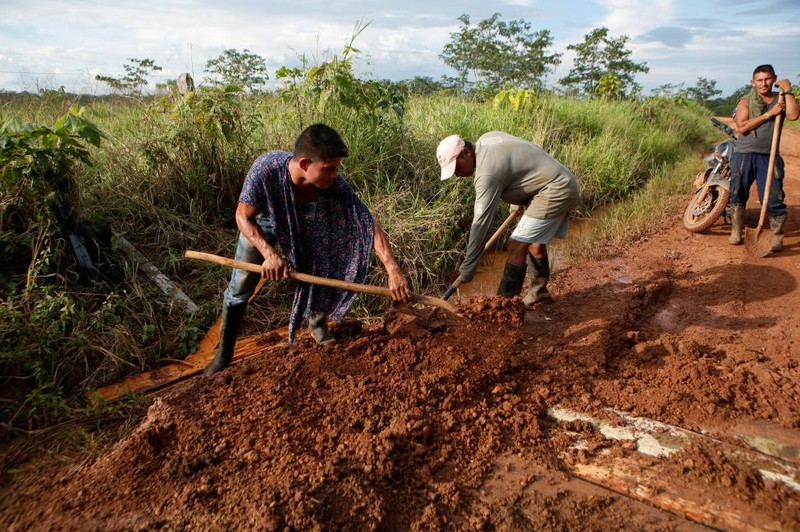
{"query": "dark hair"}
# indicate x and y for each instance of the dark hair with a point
(468, 145)
(319, 142)
(764, 68)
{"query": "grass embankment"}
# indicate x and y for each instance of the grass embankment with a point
(169, 178)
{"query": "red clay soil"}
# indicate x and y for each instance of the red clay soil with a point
(432, 421)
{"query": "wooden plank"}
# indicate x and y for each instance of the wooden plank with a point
(771, 439)
(160, 280)
(652, 437)
(194, 364)
(653, 487)
(657, 439)
(642, 479)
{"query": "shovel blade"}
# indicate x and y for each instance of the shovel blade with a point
(757, 242)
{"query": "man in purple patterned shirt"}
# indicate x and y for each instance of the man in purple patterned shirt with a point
(299, 202)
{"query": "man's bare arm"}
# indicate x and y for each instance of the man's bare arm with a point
(274, 266)
(791, 106)
(744, 124)
(397, 281)
(787, 103)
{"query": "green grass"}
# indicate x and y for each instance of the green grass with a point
(614, 229)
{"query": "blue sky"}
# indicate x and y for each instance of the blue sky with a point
(50, 43)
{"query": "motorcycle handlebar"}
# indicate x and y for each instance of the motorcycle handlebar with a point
(724, 127)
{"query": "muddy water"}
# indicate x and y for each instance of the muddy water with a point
(486, 279)
(490, 269)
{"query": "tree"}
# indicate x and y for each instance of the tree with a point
(599, 55)
(418, 86)
(668, 90)
(726, 106)
(243, 69)
(609, 86)
(500, 54)
(704, 91)
(331, 84)
(135, 78)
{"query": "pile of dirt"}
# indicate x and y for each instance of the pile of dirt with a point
(351, 435)
(429, 420)
(399, 425)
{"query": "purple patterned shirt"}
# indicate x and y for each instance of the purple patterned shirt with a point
(337, 244)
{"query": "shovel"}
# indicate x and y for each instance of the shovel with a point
(757, 243)
(489, 243)
(322, 281)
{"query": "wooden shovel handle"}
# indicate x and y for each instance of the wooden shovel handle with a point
(322, 281)
(489, 243)
(773, 152)
(500, 231)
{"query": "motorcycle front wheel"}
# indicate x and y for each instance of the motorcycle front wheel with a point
(706, 207)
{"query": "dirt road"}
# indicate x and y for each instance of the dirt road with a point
(659, 391)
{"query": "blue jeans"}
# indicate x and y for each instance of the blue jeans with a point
(749, 167)
(243, 283)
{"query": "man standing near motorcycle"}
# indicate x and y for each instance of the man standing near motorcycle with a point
(755, 121)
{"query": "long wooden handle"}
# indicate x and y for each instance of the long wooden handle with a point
(773, 152)
(489, 243)
(322, 281)
(500, 230)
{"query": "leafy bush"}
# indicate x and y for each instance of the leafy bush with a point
(36, 175)
(197, 150)
(37, 166)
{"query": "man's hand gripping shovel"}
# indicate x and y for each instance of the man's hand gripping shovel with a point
(489, 243)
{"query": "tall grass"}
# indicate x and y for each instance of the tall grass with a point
(621, 224)
(169, 180)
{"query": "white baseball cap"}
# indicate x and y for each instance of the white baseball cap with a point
(447, 153)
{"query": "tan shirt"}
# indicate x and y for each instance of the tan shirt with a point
(518, 172)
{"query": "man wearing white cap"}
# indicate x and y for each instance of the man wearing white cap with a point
(521, 173)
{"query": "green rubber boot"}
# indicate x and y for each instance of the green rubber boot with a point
(232, 318)
(539, 274)
(318, 326)
(511, 283)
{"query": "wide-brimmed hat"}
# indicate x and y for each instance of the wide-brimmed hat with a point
(447, 153)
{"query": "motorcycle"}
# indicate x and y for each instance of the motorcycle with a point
(712, 186)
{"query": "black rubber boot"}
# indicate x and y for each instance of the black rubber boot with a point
(318, 326)
(511, 283)
(232, 318)
(539, 273)
(737, 225)
(776, 225)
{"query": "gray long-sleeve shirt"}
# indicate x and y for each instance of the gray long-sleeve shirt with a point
(516, 171)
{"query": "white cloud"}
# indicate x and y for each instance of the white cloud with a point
(68, 42)
(634, 17)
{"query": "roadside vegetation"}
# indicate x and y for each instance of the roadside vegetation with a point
(164, 173)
